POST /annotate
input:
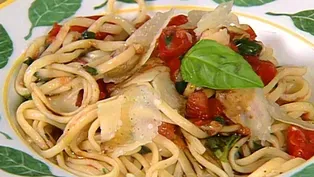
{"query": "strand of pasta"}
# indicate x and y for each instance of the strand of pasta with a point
(66, 140)
(180, 121)
(243, 169)
(206, 163)
(26, 127)
(45, 61)
(164, 163)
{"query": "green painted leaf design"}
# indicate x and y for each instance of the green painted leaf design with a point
(303, 20)
(125, 1)
(47, 12)
(246, 3)
(306, 172)
(6, 47)
(6, 135)
(19, 163)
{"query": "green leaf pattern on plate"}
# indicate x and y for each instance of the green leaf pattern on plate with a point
(47, 12)
(6, 47)
(246, 3)
(303, 20)
(19, 163)
(6, 135)
(306, 172)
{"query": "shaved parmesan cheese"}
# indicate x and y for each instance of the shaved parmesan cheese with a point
(110, 117)
(167, 91)
(248, 107)
(140, 120)
(218, 18)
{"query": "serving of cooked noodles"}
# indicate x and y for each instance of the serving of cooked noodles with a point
(169, 95)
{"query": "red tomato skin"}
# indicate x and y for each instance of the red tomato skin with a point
(79, 98)
(167, 130)
(180, 43)
(300, 142)
(178, 20)
(202, 110)
(265, 69)
(103, 93)
(197, 106)
(174, 65)
(94, 17)
(251, 33)
(172, 132)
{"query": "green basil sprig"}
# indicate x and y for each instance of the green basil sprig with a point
(212, 65)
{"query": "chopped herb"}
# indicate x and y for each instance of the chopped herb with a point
(168, 40)
(248, 47)
(219, 119)
(41, 78)
(105, 170)
(29, 61)
(27, 97)
(221, 145)
(88, 35)
(257, 146)
(180, 86)
(144, 150)
(91, 70)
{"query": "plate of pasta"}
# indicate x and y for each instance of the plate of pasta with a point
(157, 89)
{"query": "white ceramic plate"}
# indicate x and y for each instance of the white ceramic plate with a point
(291, 36)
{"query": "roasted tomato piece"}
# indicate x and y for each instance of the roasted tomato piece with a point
(300, 142)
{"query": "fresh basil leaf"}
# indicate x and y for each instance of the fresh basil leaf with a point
(19, 163)
(91, 70)
(28, 61)
(212, 65)
(247, 47)
(88, 35)
(246, 3)
(6, 47)
(47, 12)
(304, 20)
(221, 145)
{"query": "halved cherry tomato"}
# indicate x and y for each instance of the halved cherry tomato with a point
(171, 132)
(178, 20)
(174, 65)
(199, 107)
(265, 69)
(174, 42)
(300, 142)
(167, 130)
